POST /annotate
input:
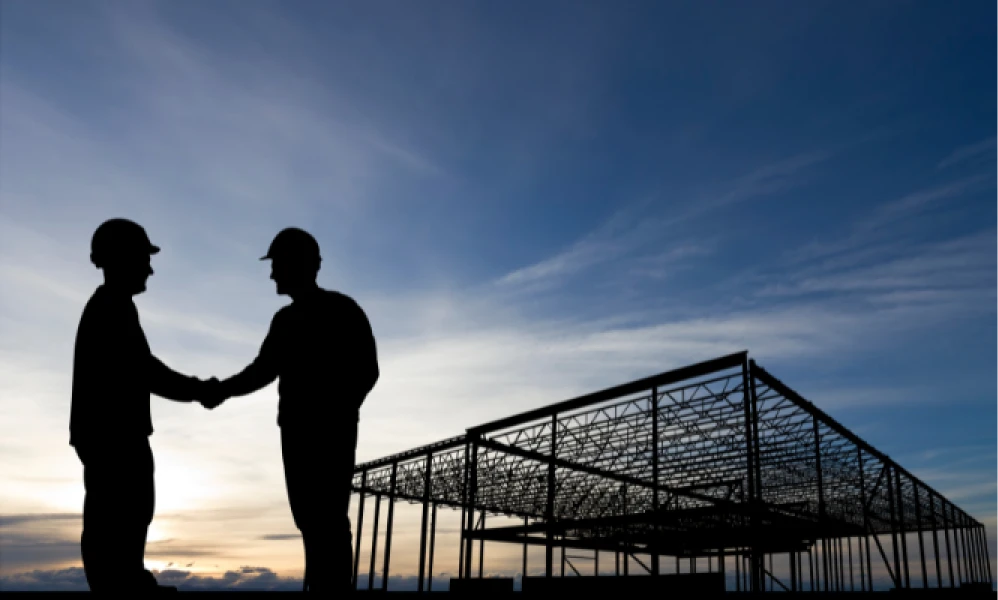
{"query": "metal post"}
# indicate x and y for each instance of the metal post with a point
(987, 558)
(894, 540)
(800, 573)
(976, 533)
(464, 511)
(388, 527)
(433, 539)
(981, 561)
(968, 573)
(770, 578)
(472, 497)
(749, 466)
(793, 571)
(935, 540)
(921, 538)
(956, 545)
(549, 511)
(975, 553)
(968, 547)
(862, 564)
(904, 531)
(949, 552)
(842, 564)
(596, 563)
(721, 566)
(481, 548)
(360, 527)
(823, 571)
(866, 517)
(738, 570)
(654, 474)
(756, 557)
(374, 541)
(562, 555)
(461, 544)
(852, 582)
(616, 556)
(810, 571)
(526, 523)
(427, 474)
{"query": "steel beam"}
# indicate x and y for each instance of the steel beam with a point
(388, 529)
(360, 526)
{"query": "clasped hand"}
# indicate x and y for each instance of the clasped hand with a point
(211, 393)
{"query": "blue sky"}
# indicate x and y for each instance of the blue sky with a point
(530, 200)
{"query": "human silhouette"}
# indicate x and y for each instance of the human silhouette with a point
(114, 372)
(322, 348)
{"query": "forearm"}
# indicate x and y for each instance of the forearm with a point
(257, 375)
(169, 384)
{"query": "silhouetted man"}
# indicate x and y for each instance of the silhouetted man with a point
(113, 374)
(322, 348)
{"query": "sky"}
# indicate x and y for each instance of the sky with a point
(530, 200)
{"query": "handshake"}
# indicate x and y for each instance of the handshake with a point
(210, 393)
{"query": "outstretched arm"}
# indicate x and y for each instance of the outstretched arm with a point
(165, 382)
(257, 375)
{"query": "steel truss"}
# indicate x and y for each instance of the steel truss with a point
(718, 459)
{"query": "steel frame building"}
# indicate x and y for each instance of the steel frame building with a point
(718, 459)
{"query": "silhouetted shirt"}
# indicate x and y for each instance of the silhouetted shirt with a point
(114, 373)
(322, 348)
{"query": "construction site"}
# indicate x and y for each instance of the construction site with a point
(713, 477)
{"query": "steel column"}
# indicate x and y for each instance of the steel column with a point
(549, 510)
(949, 552)
(374, 541)
(921, 538)
(481, 547)
(526, 522)
(956, 546)
(427, 474)
(852, 582)
(935, 540)
(388, 527)
(810, 571)
(360, 527)
(968, 573)
(472, 492)
(894, 529)
(654, 475)
(904, 532)
(433, 539)
(749, 465)
(987, 558)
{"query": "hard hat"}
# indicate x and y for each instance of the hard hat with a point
(117, 238)
(295, 244)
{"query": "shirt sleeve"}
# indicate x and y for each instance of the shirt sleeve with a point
(365, 354)
(263, 370)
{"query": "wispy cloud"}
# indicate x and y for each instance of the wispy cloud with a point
(633, 229)
(976, 152)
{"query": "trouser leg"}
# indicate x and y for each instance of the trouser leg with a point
(318, 479)
(117, 510)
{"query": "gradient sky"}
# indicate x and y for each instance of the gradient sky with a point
(531, 200)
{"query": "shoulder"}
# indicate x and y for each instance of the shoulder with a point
(102, 306)
(344, 303)
(282, 315)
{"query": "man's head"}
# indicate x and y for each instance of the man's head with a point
(295, 260)
(122, 249)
